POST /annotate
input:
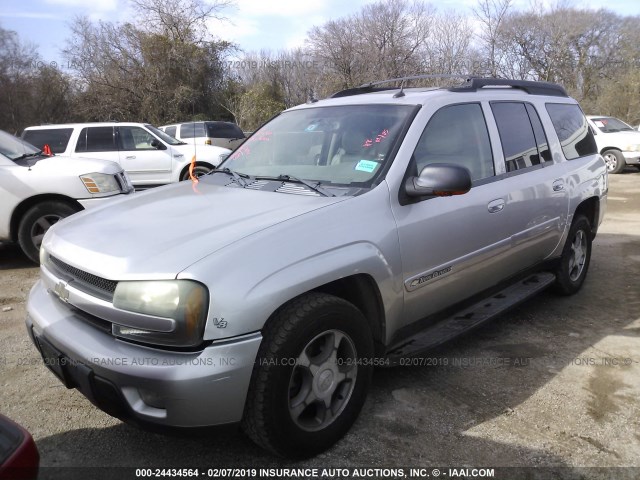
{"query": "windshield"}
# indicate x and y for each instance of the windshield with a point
(345, 145)
(610, 125)
(14, 147)
(163, 136)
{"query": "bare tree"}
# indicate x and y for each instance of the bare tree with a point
(491, 14)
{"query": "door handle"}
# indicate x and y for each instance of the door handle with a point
(130, 157)
(558, 185)
(495, 206)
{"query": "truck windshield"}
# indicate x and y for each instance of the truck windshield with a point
(342, 145)
(15, 148)
(610, 125)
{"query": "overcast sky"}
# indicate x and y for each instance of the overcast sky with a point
(253, 24)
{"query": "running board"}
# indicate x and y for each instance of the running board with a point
(469, 318)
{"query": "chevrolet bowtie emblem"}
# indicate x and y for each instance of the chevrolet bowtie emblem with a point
(61, 291)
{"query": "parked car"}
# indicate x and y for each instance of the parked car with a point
(358, 230)
(148, 155)
(618, 143)
(37, 191)
(19, 457)
(221, 134)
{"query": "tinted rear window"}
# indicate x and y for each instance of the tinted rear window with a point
(96, 139)
(170, 131)
(191, 130)
(224, 130)
(56, 138)
(572, 129)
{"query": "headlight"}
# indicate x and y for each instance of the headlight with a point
(632, 148)
(100, 183)
(184, 301)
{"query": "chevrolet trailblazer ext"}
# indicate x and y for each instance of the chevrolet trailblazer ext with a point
(346, 233)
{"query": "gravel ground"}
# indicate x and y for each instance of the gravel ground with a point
(557, 385)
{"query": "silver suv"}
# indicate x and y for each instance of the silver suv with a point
(348, 233)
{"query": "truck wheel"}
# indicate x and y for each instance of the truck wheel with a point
(576, 255)
(35, 223)
(311, 376)
(614, 161)
(198, 171)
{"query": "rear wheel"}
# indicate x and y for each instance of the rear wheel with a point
(311, 376)
(614, 161)
(576, 255)
(198, 171)
(37, 221)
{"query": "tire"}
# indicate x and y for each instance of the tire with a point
(198, 171)
(614, 161)
(35, 223)
(286, 411)
(576, 255)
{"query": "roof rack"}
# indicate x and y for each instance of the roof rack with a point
(370, 86)
(472, 84)
(532, 88)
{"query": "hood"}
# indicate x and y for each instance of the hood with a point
(618, 139)
(60, 166)
(159, 233)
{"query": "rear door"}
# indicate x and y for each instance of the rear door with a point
(533, 191)
(97, 142)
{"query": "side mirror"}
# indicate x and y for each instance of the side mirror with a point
(439, 179)
(155, 143)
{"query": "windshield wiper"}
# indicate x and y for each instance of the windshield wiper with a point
(27, 155)
(288, 178)
(238, 177)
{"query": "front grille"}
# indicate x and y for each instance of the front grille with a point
(87, 282)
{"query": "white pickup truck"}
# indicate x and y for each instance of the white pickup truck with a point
(37, 190)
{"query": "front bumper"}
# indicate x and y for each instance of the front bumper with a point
(89, 203)
(631, 158)
(138, 383)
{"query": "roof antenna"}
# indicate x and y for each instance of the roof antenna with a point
(400, 94)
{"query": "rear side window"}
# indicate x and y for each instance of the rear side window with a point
(457, 134)
(56, 138)
(524, 143)
(573, 131)
(170, 131)
(191, 130)
(223, 130)
(96, 139)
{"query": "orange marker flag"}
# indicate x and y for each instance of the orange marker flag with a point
(193, 178)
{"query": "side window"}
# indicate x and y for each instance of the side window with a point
(96, 139)
(457, 134)
(191, 130)
(170, 131)
(573, 131)
(135, 138)
(56, 138)
(516, 130)
(538, 133)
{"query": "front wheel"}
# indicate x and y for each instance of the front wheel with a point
(36, 222)
(614, 161)
(311, 376)
(575, 259)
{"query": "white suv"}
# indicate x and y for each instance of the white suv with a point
(36, 190)
(148, 155)
(617, 142)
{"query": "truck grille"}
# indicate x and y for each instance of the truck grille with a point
(87, 282)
